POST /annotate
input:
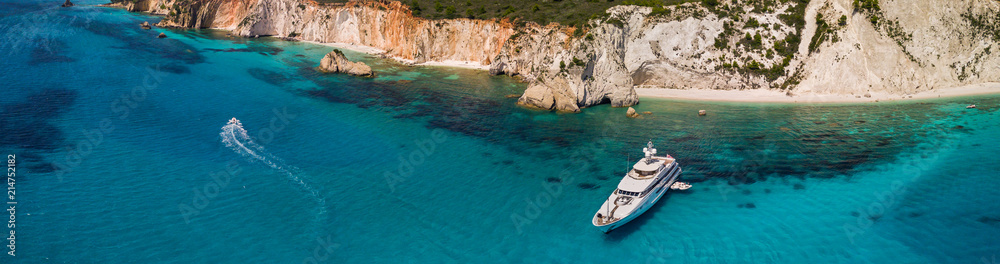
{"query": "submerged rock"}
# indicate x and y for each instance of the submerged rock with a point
(631, 113)
(144, 25)
(702, 112)
(162, 35)
(336, 62)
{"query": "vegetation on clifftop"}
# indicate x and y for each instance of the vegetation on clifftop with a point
(751, 44)
(565, 12)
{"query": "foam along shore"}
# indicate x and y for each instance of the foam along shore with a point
(380, 52)
(777, 96)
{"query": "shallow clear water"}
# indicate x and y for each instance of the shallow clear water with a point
(434, 164)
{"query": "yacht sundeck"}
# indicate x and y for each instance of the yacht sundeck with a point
(641, 187)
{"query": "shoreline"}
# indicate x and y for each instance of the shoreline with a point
(776, 96)
(708, 95)
(379, 52)
(747, 96)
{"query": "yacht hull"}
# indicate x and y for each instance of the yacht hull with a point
(662, 188)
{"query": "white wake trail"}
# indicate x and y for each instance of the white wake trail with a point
(237, 139)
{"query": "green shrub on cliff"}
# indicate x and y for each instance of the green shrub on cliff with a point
(986, 24)
(449, 12)
(822, 33)
(867, 5)
(415, 7)
(565, 12)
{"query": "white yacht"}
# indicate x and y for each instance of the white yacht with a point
(641, 187)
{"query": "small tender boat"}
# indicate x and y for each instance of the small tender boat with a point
(234, 121)
(680, 186)
(970, 106)
(641, 187)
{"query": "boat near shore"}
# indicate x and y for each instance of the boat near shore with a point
(644, 185)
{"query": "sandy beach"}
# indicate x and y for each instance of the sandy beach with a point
(782, 97)
(377, 51)
(758, 95)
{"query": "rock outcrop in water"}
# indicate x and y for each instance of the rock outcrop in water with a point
(336, 62)
(631, 113)
(817, 47)
(67, 4)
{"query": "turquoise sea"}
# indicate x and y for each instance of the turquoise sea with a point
(124, 155)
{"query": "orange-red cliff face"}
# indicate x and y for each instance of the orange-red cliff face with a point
(391, 27)
(384, 25)
(631, 47)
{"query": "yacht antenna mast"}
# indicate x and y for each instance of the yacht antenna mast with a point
(608, 209)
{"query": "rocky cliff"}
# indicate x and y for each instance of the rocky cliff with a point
(820, 46)
(907, 46)
(384, 25)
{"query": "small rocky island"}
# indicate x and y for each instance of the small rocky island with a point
(336, 62)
